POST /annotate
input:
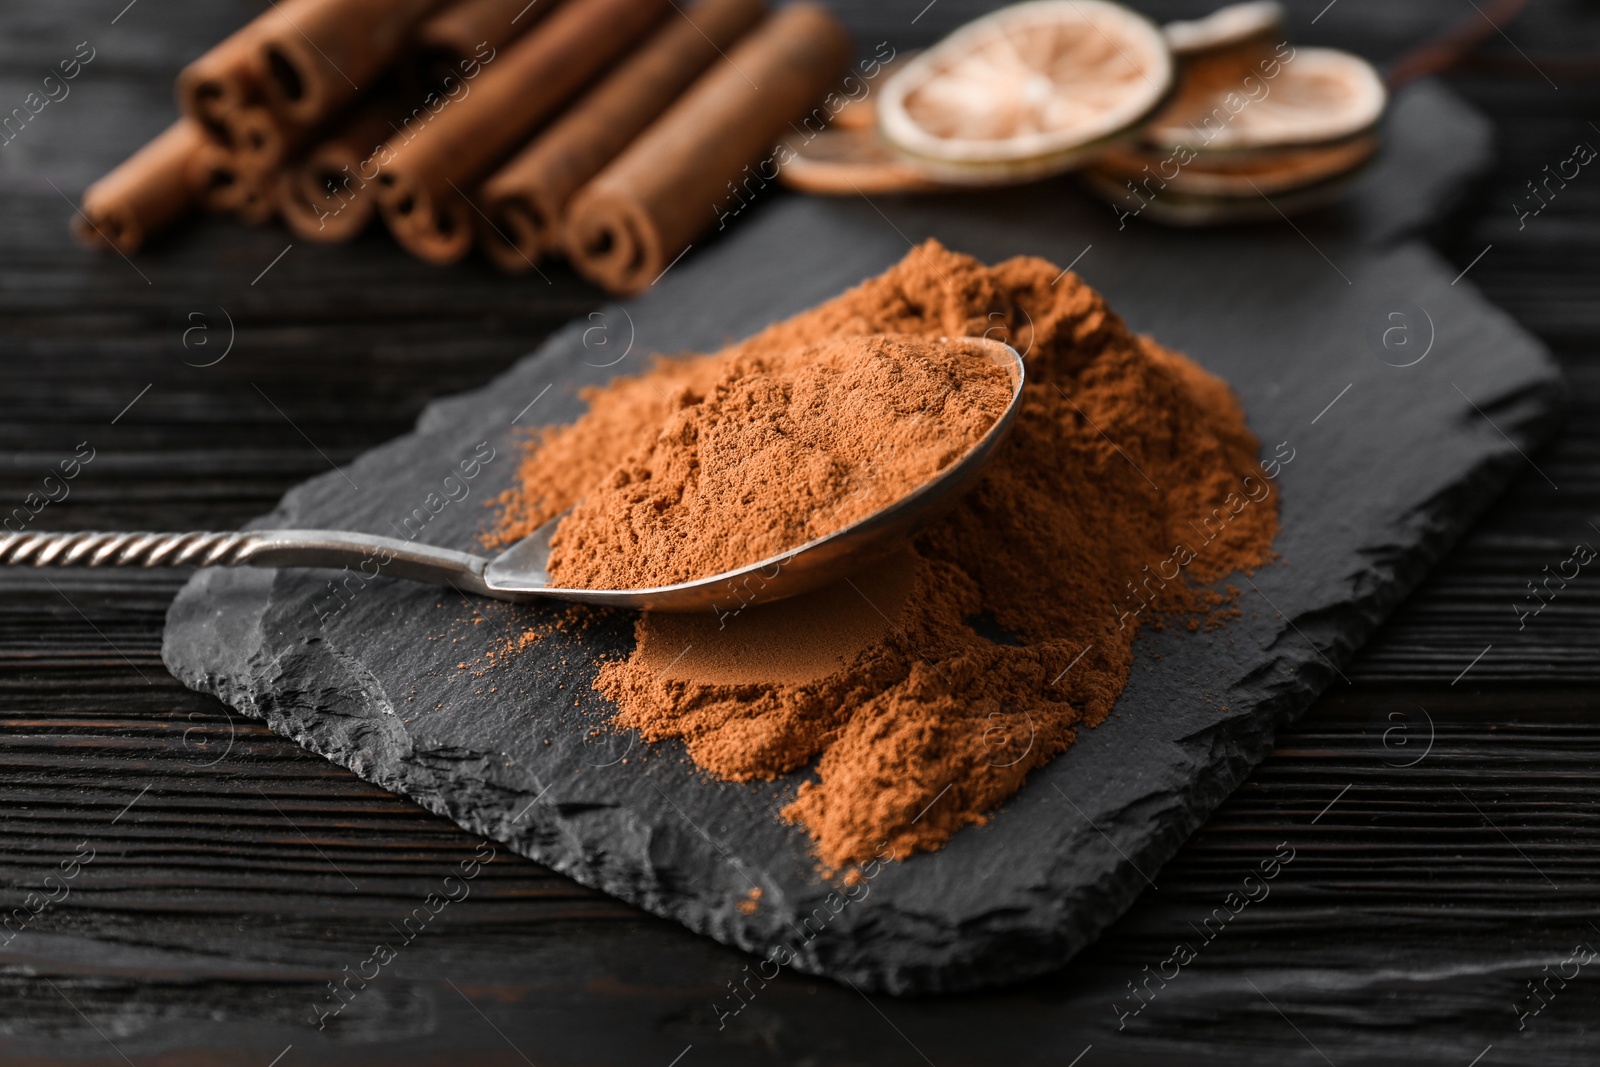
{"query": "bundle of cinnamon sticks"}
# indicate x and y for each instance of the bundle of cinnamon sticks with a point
(608, 131)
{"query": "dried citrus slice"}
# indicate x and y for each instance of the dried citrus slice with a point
(1224, 27)
(857, 115)
(850, 161)
(1244, 174)
(1183, 209)
(1032, 89)
(1231, 100)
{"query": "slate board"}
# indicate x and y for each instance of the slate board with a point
(1382, 481)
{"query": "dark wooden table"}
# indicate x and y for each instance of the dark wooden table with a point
(1445, 824)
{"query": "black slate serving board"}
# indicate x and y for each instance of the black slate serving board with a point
(1390, 463)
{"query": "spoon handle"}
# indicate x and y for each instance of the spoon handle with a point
(337, 549)
(94, 549)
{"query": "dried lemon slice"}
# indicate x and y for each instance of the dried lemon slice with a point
(1295, 96)
(847, 162)
(1224, 27)
(1185, 209)
(1030, 90)
(1241, 174)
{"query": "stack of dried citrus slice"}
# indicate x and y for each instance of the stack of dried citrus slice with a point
(1030, 90)
(1213, 120)
(1256, 126)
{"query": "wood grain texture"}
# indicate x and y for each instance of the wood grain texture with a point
(235, 875)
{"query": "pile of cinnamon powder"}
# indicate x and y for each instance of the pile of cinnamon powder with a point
(783, 448)
(919, 695)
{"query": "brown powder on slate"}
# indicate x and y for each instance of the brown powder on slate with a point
(922, 693)
(783, 448)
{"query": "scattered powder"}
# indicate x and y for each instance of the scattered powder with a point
(921, 694)
(784, 447)
(793, 643)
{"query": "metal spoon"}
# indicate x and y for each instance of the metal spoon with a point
(519, 573)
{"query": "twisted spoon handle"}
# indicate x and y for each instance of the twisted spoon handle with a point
(338, 549)
(93, 549)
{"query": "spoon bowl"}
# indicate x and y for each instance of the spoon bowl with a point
(521, 569)
(521, 572)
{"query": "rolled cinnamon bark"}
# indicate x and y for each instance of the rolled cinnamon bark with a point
(449, 38)
(441, 153)
(525, 200)
(443, 237)
(149, 190)
(226, 78)
(223, 186)
(255, 138)
(328, 196)
(633, 220)
(316, 55)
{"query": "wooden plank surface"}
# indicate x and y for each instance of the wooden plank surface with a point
(1444, 826)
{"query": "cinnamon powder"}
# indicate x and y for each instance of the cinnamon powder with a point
(921, 694)
(783, 448)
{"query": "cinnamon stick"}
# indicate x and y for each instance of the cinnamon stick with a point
(443, 151)
(315, 56)
(525, 200)
(255, 138)
(327, 196)
(445, 40)
(224, 186)
(146, 192)
(443, 236)
(226, 78)
(222, 90)
(634, 219)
